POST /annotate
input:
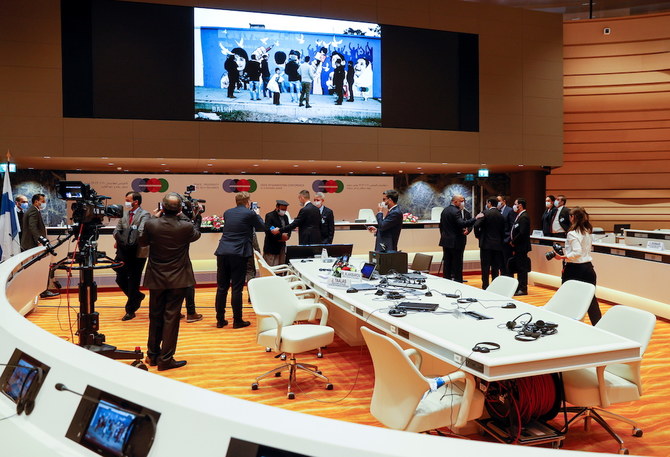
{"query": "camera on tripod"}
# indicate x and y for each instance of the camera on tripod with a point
(88, 206)
(557, 249)
(192, 207)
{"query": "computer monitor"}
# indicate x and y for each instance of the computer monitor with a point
(367, 270)
(242, 448)
(308, 251)
(339, 250)
(22, 379)
(619, 228)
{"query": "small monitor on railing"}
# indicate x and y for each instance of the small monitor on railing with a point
(22, 379)
(619, 228)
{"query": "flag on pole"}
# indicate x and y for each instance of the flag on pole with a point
(10, 243)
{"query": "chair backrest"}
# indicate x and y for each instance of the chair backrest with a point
(264, 269)
(436, 213)
(399, 385)
(421, 262)
(273, 294)
(504, 285)
(572, 299)
(367, 214)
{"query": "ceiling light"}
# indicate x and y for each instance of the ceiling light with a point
(210, 164)
(338, 166)
(166, 171)
(243, 172)
(255, 165)
(163, 164)
(378, 166)
(295, 166)
(110, 163)
(104, 158)
(418, 168)
(46, 157)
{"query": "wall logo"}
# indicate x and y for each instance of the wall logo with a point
(150, 185)
(239, 185)
(328, 186)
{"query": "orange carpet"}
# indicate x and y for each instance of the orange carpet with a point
(227, 360)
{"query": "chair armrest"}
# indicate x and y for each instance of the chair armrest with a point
(280, 268)
(278, 328)
(468, 394)
(307, 293)
(415, 357)
(315, 305)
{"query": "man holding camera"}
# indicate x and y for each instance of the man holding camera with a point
(127, 232)
(169, 274)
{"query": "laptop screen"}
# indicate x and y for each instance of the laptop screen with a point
(367, 269)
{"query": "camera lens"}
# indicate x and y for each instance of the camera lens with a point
(550, 255)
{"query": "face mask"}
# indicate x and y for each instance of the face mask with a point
(556, 203)
(462, 205)
(317, 203)
(282, 212)
(128, 204)
(515, 208)
(43, 206)
(499, 205)
(383, 205)
(24, 206)
(547, 204)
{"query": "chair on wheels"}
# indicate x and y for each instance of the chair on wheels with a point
(276, 307)
(504, 285)
(367, 214)
(592, 389)
(572, 299)
(400, 400)
(421, 262)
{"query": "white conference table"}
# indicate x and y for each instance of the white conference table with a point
(450, 336)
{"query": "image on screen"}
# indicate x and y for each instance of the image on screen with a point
(247, 67)
(20, 380)
(109, 429)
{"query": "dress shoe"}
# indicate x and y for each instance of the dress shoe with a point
(301, 104)
(181, 316)
(128, 317)
(195, 317)
(221, 324)
(150, 361)
(49, 294)
(308, 106)
(520, 292)
(171, 364)
(241, 324)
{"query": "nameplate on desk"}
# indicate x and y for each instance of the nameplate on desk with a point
(339, 282)
(352, 275)
(618, 252)
(537, 233)
(654, 257)
(655, 245)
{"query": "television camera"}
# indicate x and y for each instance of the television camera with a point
(192, 207)
(557, 249)
(87, 207)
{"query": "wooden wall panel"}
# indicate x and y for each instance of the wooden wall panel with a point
(617, 121)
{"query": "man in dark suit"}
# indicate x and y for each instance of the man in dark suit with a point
(33, 229)
(126, 234)
(389, 222)
(308, 221)
(274, 246)
(490, 230)
(22, 206)
(560, 224)
(548, 215)
(169, 274)
(509, 217)
(454, 227)
(327, 219)
(520, 242)
(232, 256)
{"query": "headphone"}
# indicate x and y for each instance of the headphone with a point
(26, 402)
(531, 331)
(512, 324)
(397, 312)
(485, 347)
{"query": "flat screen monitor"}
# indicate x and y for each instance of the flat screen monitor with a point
(242, 448)
(619, 228)
(302, 252)
(111, 426)
(22, 379)
(339, 250)
(367, 270)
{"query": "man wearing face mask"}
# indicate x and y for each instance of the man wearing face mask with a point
(389, 222)
(509, 217)
(561, 221)
(520, 242)
(327, 219)
(22, 206)
(454, 228)
(274, 246)
(548, 215)
(126, 235)
(308, 221)
(33, 229)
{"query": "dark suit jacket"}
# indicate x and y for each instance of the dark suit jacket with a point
(509, 216)
(547, 219)
(520, 236)
(564, 218)
(273, 244)
(388, 229)
(19, 214)
(308, 222)
(33, 228)
(238, 231)
(327, 225)
(169, 266)
(452, 224)
(126, 235)
(490, 230)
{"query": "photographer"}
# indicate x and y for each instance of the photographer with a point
(577, 259)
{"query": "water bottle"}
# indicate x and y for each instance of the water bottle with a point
(324, 254)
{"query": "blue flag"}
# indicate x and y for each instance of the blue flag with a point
(10, 231)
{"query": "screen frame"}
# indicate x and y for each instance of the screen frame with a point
(26, 401)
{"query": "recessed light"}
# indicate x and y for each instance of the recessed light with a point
(351, 172)
(383, 172)
(445, 163)
(205, 171)
(126, 171)
(403, 162)
(104, 158)
(378, 166)
(166, 171)
(243, 172)
(255, 165)
(314, 172)
(210, 164)
(110, 163)
(338, 166)
(295, 166)
(311, 160)
(163, 164)
(212, 158)
(277, 172)
(521, 165)
(399, 171)
(119, 168)
(418, 168)
(77, 169)
(46, 157)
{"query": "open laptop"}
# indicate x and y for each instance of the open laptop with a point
(367, 270)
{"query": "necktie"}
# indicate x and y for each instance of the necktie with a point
(130, 217)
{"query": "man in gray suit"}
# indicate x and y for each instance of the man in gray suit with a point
(127, 232)
(32, 229)
(169, 274)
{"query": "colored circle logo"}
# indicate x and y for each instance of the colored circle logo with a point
(150, 185)
(239, 185)
(329, 186)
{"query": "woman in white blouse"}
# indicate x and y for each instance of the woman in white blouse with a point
(577, 259)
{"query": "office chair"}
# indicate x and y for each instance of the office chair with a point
(284, 271)
(504, 285)
(436, 213)
(592, 389)
(572, 299)
(276, 308)
(421, 262)
(367, 214)
(399, 399)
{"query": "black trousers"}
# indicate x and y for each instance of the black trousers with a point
(453, 263)
(164, 311)
(519, 263)
(230, 271)
(583, 272)
(129, 277)
(491, 261)
(190, 300)
(506, 254)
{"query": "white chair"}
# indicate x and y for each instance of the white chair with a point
(367, 214)
(591, 389)
(283, 271)
(436, 213)
(572, 299)
(399, 399)
(504, 285)
(276, 307)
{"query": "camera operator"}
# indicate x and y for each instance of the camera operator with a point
(127, 231)
(169, 274)
(577, 259)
